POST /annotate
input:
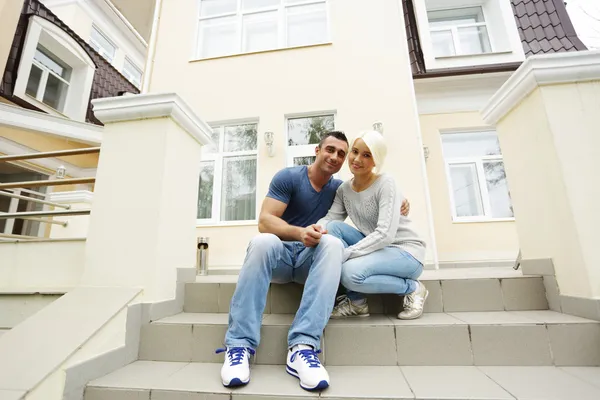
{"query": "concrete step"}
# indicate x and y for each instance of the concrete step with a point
(450, 290)
(148, 380)
(463, 338)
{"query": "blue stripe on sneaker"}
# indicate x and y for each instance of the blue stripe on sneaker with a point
(320, 386)
(236, 382)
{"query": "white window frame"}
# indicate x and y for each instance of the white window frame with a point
(42, 85)
(454, 32)
(42, 32)
(101, 50)
(483, 190)
(218, 158)
(127, 75)
(306, 150)
(281, 24)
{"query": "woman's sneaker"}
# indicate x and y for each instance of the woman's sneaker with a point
(414, 303)
(304, 364)
(236, 367)
(347, 308)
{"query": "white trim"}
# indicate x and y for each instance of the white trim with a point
(153, 105)
(75, 196)
(475, 220)
(213, 224)
(149, 66)
(36, 121)
(540, 70)
(9, 147)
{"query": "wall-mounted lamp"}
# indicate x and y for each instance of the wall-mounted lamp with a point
(269, 142)
(378, 126)
(61, 172)
(426, 152)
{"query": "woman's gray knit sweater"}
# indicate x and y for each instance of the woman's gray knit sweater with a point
(376, 213)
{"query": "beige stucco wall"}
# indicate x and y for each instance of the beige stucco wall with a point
(479, 241)
(549, 142)
(9, 17)
(364, 76)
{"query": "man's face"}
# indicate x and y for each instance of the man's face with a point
(331, 155)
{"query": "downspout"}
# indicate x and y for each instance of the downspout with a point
(152, 46)
(422, 158)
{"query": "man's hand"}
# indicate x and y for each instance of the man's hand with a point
(311, 235)
(405, 209)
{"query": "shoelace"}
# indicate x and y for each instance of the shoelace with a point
(309, 356)
(414, 302)
(344, 307)
(235, 354)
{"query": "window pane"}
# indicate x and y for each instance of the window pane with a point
(34, 81)
(216, 7)
(102, 45)
(455, 17)
(465, 187)
(218, 37)
(443, 44)
(304, 160)
(474, 40)
(257, 4)
(239, 189)
(308, 130)
(55, 93)
(240, 138)
(51, 62)
(205, 190)
(214, 147)
(495, 177)
(306, 25)
(470, 144)
(133, 73)
(260, 31)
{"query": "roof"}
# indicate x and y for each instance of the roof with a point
(544, 27)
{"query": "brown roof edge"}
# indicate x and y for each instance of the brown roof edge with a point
(567, 24)
(483, 69)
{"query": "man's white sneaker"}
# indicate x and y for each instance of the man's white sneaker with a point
(414, 303)
(304, 364)
(236, 367)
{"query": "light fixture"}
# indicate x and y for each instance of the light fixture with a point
(426, 152)
(378, 126)
(269, 138)
(61, 172)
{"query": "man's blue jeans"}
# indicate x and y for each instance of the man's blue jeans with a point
(389, 270)
(269, 259)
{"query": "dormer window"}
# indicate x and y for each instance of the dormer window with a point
(460, 31)
(49, 79)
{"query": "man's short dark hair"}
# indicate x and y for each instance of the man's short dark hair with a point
(339, 135)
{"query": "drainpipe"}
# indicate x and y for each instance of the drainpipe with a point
(422, 158)
(152, 46)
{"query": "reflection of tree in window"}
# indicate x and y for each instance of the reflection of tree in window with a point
(239, 188)
(240, 138)
(304, 160)
(205, 190)
(308, 130)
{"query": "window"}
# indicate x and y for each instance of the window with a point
(460, 31)
(102, 45)
(48, 79)
(242, 26)
(475, 170)
(227, 189)
(304, 133)
(132, 73)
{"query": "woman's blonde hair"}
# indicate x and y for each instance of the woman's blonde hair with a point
(376, 143)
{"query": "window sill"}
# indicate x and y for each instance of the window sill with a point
(261, 52)
(480, 220)
(43, 106)
(478, 55)
(211, 224)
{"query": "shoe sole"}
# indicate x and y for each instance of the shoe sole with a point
(320, 386)
(417, 316)
(352, 316)
(235, 382)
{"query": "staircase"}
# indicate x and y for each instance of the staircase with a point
(487, 334)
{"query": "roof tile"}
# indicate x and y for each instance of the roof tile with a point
(535, 21)
(539, 33)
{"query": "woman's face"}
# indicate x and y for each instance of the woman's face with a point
(360, 159)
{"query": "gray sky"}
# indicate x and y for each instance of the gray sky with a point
(585, 15)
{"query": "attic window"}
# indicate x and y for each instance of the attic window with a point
(459, 31)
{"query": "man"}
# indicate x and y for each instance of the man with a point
(291, 248)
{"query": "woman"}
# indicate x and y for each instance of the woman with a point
(384, 255)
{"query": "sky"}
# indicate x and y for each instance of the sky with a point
(585, 15)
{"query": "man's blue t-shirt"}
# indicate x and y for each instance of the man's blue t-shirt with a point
(305, 206)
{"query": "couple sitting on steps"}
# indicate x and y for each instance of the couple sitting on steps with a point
(304, 240)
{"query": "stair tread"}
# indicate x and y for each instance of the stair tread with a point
(406, 382)
(452, 318)
(428, 275)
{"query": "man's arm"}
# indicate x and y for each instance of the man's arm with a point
(269, 221)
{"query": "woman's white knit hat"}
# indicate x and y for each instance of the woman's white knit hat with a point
(374, 140)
